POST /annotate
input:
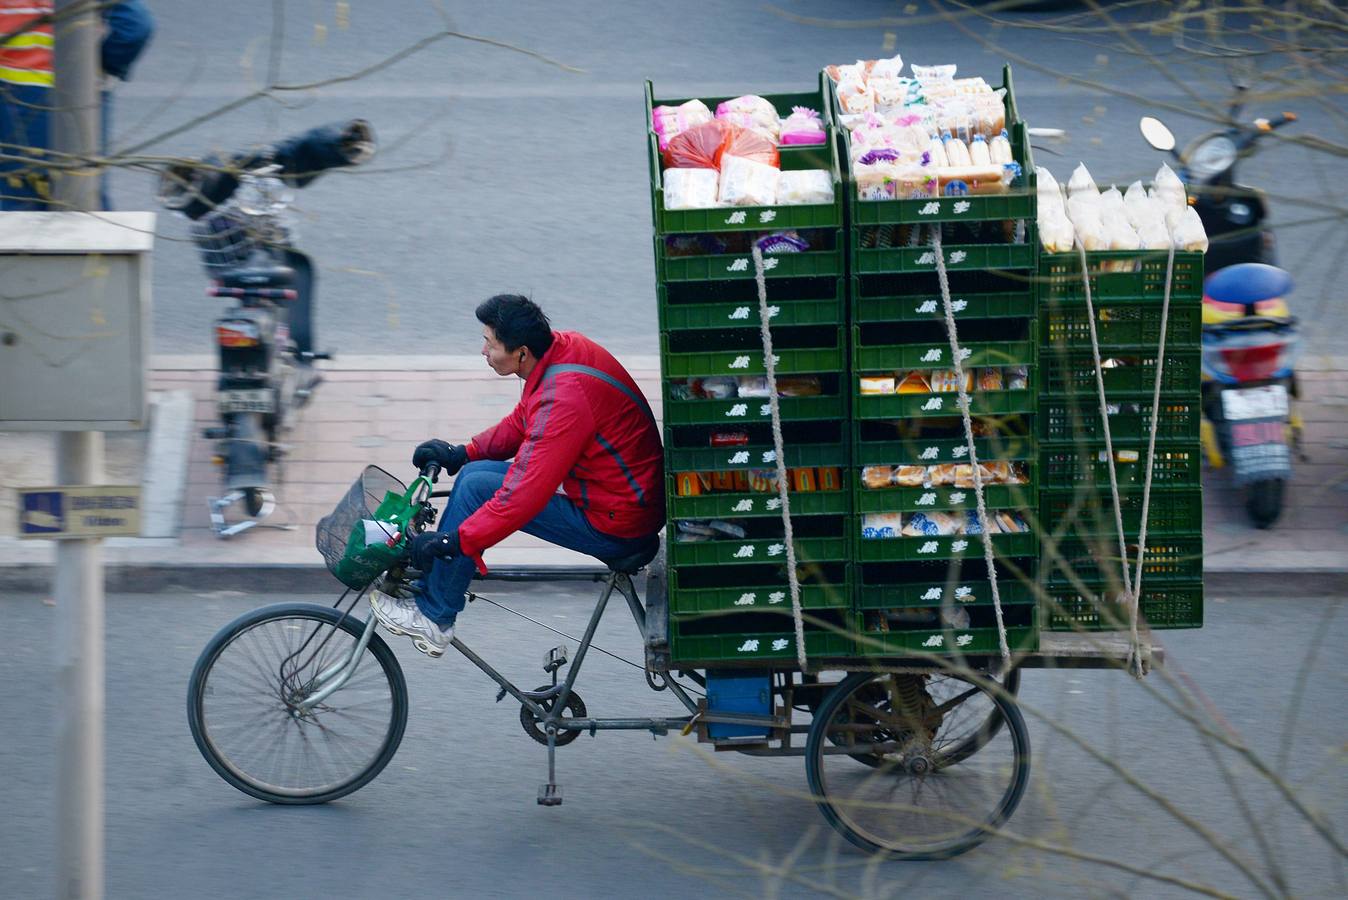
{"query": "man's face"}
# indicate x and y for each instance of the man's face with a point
(501, 360)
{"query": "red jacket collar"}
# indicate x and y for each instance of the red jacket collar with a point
(560, 340)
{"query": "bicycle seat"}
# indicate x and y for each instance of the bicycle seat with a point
(632, 563)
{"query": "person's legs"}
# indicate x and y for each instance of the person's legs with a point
(562, 523)
(448, 579)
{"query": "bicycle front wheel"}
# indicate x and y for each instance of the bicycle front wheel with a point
(245, 705)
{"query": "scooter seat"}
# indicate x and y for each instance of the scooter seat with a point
(259, 277)
(1247, 283)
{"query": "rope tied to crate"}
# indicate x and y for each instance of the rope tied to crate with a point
(770, 363)
(1132, 586)
(958, 356)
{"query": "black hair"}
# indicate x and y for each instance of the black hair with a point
(518, 322)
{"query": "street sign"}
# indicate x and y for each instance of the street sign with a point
(79, 511)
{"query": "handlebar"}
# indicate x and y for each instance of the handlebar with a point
(431, 472)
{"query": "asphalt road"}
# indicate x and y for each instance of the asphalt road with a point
(454, 814)
(500, 173)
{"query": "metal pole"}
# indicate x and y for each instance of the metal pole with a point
(75, 121)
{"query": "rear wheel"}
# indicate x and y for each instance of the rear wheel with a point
(1263, 501)
(243, 705)
(928, 794)
(254, 499)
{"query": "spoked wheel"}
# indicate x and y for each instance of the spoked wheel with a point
(947, 762)
(244, 695)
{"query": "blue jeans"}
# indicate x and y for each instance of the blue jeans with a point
(560, 522)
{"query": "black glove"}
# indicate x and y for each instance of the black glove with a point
(427, 547)
(451, 457)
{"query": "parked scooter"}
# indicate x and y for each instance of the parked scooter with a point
(266, 339)
(1250, 338)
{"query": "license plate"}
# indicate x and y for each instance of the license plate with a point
(1267, 402)
(260, 400)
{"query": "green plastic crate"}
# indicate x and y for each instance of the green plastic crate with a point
(702, 316)
(981, 403)
(723, 266)
(924, 308)
(756, 456)
(750, 362)
(745, 648)
(868, 261)
(920, 549)
(1143, 277)
(920, 451)
(1096, 561)
(744, 552)
(1067, 421)
(936, 355)
(966, 592)
(1063, 372)
(723, 506)
(1122, 324)
(1172, 606)
(1176, 465)
(967, 641)
(1091, 511)
(772, 594)
(735, 411)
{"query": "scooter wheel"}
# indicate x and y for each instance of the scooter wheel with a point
(253, 499)
(1263, 501)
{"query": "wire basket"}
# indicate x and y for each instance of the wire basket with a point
(367, 531)
(227, 237)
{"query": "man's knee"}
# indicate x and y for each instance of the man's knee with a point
(477, 481)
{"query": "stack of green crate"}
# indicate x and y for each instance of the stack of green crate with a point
(898, 326)
(729, 599)
(1081, 568)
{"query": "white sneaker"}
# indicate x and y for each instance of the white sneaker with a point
(400, 615)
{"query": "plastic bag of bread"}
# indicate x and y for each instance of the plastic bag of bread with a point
(910, 476)
(1081, 182)
(932, 524)
(668, 121)
(1189, 233)
(1153, 235)
(1121, 235)
(880, 526)
(854, 96)
(747, 182)
(967, 179)
(1056, 232)
(996, 472)
(799, 386)
(990, 380)
(876, 384)
(1008, 522)
(1091, 232)
(876, 181)
(964, 475)
(1017, 378)
(1169, 189)
(1048, 191)
(753, 112)
(804, 186)
(913, 383)
(947, 381)
(942, 475)
(698, 147)
(877, 477)
(802, 127)
(887, 68)
(691, 188)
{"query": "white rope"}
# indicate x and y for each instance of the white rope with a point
(1135, 645)
(969, 441)
(770, 362)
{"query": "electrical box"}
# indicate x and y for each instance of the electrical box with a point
(74, 320)
(738, 691)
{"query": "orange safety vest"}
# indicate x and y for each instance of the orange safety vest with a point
(27, 57)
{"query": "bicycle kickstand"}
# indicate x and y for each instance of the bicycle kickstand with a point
(550, 794)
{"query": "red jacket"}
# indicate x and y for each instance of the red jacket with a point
(581, 425)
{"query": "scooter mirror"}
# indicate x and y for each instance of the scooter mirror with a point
(1155, 132)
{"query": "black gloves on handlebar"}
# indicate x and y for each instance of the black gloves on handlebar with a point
(427, 547)
(450, 457)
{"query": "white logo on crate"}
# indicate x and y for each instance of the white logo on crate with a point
(769, 456)
(774, 503)
(770, 264)
(740, 458)
(765, 409)
(930, 209)
(776, 549)
(927, 499)
(746, 599)
(965, 353)
(928, 547)
(964, 593)
(963, 640)
(736, 218)
(739, 409)
(740, 312)
(928, 307)
(957, 497)
(745, 552)
(931, 453)
(739, 362)
(959, 305)
(780, 644)
(959, 452)
(932, 355)
(749, 646)
(767, 215)
(936, 640)
(959, 546)
(773, 310)
(932, 594)
(958, 256)
(776, 597)
(933, 404)
(739, 265)
(962, 206)
(744, 506)
(926, 259)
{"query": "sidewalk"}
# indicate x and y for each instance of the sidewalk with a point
(375, 410)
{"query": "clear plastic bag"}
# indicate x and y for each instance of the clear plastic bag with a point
(1081, 182)
(1169, 189)
(802, 127)
(1188, 232)
(805, 186)
(691, 188)
(747, 182)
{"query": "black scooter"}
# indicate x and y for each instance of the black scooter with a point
(1250, 338)
(266, 338)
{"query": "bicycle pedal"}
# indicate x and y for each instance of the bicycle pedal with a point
(550, 795)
